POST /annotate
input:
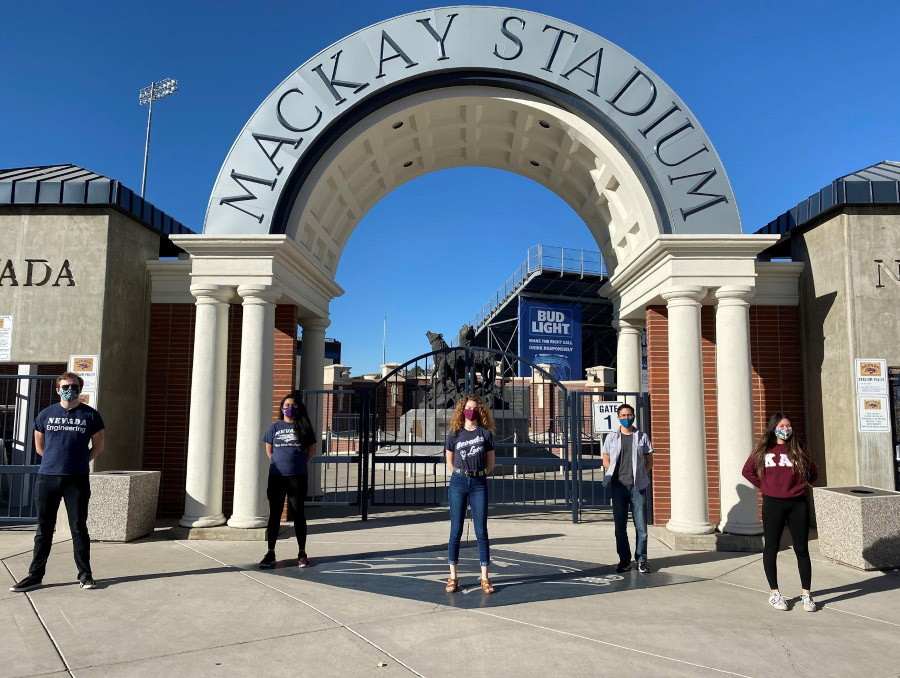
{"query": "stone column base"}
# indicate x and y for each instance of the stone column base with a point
(706, 542)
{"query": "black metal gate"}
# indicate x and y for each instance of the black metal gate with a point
(21, 398)
(384, 445)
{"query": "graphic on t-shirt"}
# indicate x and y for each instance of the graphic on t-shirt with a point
(470, 447)
(784, 460)
(288, 456)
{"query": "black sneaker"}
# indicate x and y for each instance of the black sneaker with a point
(267, 561)
(623, 566)
(644, 568)
(87, 582)
(30, 582)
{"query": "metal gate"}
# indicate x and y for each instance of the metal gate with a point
(21, 398)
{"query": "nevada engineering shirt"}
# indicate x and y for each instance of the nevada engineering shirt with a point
(67, 434)
(288, 455)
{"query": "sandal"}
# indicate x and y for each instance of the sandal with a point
(452, 586)
(486, 586)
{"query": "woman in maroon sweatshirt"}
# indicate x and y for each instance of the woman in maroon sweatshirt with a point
(780, 466)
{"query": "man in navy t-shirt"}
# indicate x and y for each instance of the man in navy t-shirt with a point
(67, 435)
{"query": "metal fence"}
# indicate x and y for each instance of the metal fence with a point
(21, 398)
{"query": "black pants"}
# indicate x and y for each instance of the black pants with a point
(775, 512)
(48, 491)
(294, 488)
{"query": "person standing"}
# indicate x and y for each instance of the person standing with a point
(469, 448)
(781, 467)
(290, 444)
(68, 435)
(627, 460)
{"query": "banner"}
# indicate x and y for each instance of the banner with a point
(550, 334)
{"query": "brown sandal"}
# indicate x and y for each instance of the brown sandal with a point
(452, 585)
(486, 586)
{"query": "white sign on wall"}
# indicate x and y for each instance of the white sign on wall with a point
(871, 377)
(604, 417)
(87, 367)
(6, 325)
(873, 414)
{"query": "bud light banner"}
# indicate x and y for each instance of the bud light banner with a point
(550, 334)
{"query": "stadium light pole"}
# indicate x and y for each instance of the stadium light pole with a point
(156, 90)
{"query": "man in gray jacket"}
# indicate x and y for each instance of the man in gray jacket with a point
(627, 460)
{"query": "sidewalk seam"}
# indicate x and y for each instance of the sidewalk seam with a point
(312, 607)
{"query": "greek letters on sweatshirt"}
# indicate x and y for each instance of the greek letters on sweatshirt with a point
(778, 479)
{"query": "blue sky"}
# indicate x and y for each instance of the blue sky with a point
(793, 95)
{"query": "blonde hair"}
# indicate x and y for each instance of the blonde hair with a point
(482, 414)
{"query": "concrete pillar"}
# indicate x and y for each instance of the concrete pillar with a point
(251, 509)
(687, 439)
(734, 389)
(206, 433)
(628, 358)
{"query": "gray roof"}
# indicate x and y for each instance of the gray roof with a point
(875, 185)
(73, 185)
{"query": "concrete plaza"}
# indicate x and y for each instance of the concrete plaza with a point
(373, 604)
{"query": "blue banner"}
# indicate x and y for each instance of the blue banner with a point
(550, 334)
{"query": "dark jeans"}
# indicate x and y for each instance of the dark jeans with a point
(775, 512)
(623, 497)
(474, 492)
(294, 488)
(48, 491)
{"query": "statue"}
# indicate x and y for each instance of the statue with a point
(464, 370)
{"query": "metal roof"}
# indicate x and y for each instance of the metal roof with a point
(73, 185)
(878, 184)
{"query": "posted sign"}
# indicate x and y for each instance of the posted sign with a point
(871, 377)
(604, 417)
(873, 413)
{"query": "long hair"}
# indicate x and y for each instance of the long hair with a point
(796, 450)
(482, 414)
(302, 426)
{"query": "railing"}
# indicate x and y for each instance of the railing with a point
(541, 259)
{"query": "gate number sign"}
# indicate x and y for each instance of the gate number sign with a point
(604, 417)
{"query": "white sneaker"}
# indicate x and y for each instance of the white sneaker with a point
(808, 603)
(776, 601)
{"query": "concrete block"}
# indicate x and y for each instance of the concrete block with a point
(859, 526)
(123, 504)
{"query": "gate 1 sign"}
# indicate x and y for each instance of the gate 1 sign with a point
(604, 417)
(550, 334)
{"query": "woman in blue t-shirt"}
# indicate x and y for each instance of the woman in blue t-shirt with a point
(290, 444)
(470, 457)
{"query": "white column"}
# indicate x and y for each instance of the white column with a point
(734, 389)
(628, 358)
(687, 439)
(251, 509)
(206, 433)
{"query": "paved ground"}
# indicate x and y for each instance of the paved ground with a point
(373, 605)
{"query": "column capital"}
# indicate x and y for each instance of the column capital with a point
(685, 295)
(212, 294)
(624, 326)
(735, 295)
(259, 294)
(314, 323)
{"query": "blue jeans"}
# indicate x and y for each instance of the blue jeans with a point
(624, 496)
(474, 492)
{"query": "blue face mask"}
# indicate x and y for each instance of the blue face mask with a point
(70, 393)
(626, 421)
(783, 434)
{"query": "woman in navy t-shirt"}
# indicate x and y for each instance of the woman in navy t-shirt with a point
(290, 444)
(470, 457)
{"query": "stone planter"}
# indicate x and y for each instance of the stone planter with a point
(859, 526)
(123, 504)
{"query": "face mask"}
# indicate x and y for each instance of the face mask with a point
(626, 421)
(783, 434)
(70, 392)
(289, 411)
(470, 414)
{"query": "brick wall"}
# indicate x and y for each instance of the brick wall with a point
(777, 385)
(170, 362)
